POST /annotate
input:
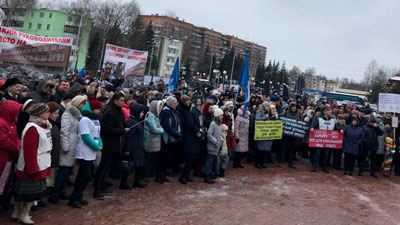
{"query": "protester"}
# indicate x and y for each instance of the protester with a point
(88, 145)
(242, 136)
(62, 89)
(152, 137)
(371, 144)
(352, 140)
(112, 132)
(56, 144)
(215, 140)
(33, 163)
(9, 148)
(222, 158)
(288, 142)
(12, 89)
(263, 148)
(23, 116)
(45, 92)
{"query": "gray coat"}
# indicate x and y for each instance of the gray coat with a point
(263, 145)
(214, 137)
(69, 135)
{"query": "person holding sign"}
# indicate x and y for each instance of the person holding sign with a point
(288, 142)
(325, 122)
(371, 144)
(263, 148)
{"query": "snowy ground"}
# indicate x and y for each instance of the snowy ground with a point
(244, 196)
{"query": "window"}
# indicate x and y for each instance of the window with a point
(62, 47)
(48, 26)
(31, 58)
(34, 49)
(70, 18)
(39, 26)
(30, 25)
(50, 15)
(52, 57)
(60, 57)
(32, 14)
(41, 15)
(53, 47)
(77, 20)
(172, 51)
(46, 48)
(44, 58)
(40, 49)
(37, 58)
(71, 29)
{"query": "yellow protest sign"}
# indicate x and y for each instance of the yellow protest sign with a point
(268, 130)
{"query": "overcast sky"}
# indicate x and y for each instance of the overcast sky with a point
(339, 38)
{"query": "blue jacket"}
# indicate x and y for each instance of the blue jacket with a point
(171, 123)
(134, 138)
(352, 139)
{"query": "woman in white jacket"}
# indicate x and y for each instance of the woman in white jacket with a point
(69, 141)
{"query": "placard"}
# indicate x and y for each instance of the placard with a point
(395, 122)
(266, 130)
(294, 128)
(389, 102)
(326, 139)
(124, 61)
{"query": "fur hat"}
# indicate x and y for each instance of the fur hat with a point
(38, 109)
(53, 106)
(11, 82)
(218, 112)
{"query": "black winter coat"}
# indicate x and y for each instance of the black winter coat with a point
(371, 137)
(23, 119)
(112, 129)
(134, 138)
(191, 127)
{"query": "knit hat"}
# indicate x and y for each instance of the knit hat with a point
(224, 127)
(26, 102)
(142, 89)
(53, 106)
(38, 109)
(10, 82)
(102, 98)
(24, 88)
(218, 112)
(229, 103)
(171, 100)
(77, 100)
(266, 103)
(94, 104)
(354, 112)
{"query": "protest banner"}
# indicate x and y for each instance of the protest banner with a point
(389, 102)
(326, 139)
(395, 122)
(294, 128)
(124, 61)
(46, 54)
(268, 130)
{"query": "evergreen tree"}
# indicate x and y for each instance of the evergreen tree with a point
(94, 53)
(283, 74)
(260, 75)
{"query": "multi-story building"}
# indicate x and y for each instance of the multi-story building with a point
(168, 51)
(197, 39)
(53, 23)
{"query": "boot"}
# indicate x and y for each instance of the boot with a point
(208, 179)
(53, 198)
(222, 173)
(24, 213)
(139, 182)
(62, 195)
(17, 207)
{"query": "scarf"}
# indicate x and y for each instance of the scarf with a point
(41, 122)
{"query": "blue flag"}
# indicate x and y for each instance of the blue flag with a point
(244, 81)
(174, 78)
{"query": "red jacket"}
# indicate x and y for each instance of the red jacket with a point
(10, 142)
(31, 169)
(127, 111)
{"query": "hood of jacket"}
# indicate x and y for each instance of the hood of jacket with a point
(156, 107)
(43, 87)
(76, 87)
(136, 110)
(73, 110)
(9, 110)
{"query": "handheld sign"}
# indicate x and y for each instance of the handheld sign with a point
(268, 130)
(395, 122)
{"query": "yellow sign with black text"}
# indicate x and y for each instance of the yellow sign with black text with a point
(268, 130)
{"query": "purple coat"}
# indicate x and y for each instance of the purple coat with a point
(352, 139)
(242, 132)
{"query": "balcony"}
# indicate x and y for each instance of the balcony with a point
(71, 23)
(18, 18)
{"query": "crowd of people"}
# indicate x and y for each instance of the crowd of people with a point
(77, 131)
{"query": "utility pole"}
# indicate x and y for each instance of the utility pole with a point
(233, 64)
(151, 59)
(77, 42)
(209, 72)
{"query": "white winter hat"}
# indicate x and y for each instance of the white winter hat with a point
(229, 103)
(218, 112)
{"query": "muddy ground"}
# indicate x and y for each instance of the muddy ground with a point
(244, 196)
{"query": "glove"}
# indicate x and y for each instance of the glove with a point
(199, 134)
(237, 141)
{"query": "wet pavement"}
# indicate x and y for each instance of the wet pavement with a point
(244, 196)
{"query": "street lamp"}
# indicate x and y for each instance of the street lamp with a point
(224, 77)
(215, 77)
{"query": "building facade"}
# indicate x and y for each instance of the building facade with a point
(53, 23)
(168, 51)
(196, 40)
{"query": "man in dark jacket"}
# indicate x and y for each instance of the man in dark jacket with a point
(63, 88)
(371, 144)
(288, 142)
(193, 132)
(170, 121)
(112, 132)
(11, 89)
(45, 92)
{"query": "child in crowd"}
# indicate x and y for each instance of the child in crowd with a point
(223, 158)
